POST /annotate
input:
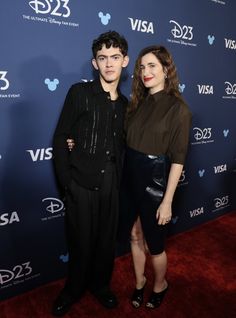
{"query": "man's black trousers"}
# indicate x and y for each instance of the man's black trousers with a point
(91, 225)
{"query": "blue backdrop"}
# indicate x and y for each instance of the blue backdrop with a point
(45, 47)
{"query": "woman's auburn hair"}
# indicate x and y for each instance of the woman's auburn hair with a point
(139, 91)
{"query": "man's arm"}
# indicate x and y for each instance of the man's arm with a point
(62, 132)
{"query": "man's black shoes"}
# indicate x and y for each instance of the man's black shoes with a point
(64, 301)
(106, 298)
(62, 304)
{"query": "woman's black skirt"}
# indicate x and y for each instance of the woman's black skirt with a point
(142, 189)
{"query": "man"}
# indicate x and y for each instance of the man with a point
(92, 115)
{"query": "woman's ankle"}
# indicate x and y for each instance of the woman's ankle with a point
(141, 283)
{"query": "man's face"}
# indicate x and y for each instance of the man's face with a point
(109, 63)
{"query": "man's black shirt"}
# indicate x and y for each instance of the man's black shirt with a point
(96, 125)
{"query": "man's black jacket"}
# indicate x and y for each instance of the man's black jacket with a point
(88, 118)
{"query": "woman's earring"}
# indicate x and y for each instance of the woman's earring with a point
(165, 76)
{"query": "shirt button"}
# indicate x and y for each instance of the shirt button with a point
(102, 171)
(107, 152)
(108, 97)
(114, 134)
(96, 188)
(115, 116)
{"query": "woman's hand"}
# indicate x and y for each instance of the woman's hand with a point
(70, 144)
(164, 213)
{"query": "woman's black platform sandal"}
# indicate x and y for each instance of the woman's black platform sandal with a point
(156, 299)
(137, 297)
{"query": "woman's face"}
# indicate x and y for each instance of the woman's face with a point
(152, 73)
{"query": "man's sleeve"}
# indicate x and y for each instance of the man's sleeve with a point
(62, 132)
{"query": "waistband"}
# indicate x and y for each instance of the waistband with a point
(141, 155)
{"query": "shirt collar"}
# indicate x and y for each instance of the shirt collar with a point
(158, 95)
(98, 89)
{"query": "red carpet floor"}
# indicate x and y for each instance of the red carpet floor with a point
(201, 275)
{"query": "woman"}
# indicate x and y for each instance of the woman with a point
(158, 125)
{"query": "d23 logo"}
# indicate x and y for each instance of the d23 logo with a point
(182, 180)
(230, 88)
(182, 177)
(202, 134)
(18, 271)
(52, 7)
(221, 202)
(184, 32)
(4, 83)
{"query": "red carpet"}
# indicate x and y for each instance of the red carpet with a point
(201, 276)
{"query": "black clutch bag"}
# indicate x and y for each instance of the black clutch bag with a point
(159, 177)
(146, 175)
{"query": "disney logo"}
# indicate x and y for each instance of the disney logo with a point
(55, 205)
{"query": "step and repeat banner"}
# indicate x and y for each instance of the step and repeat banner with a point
(46, 47)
